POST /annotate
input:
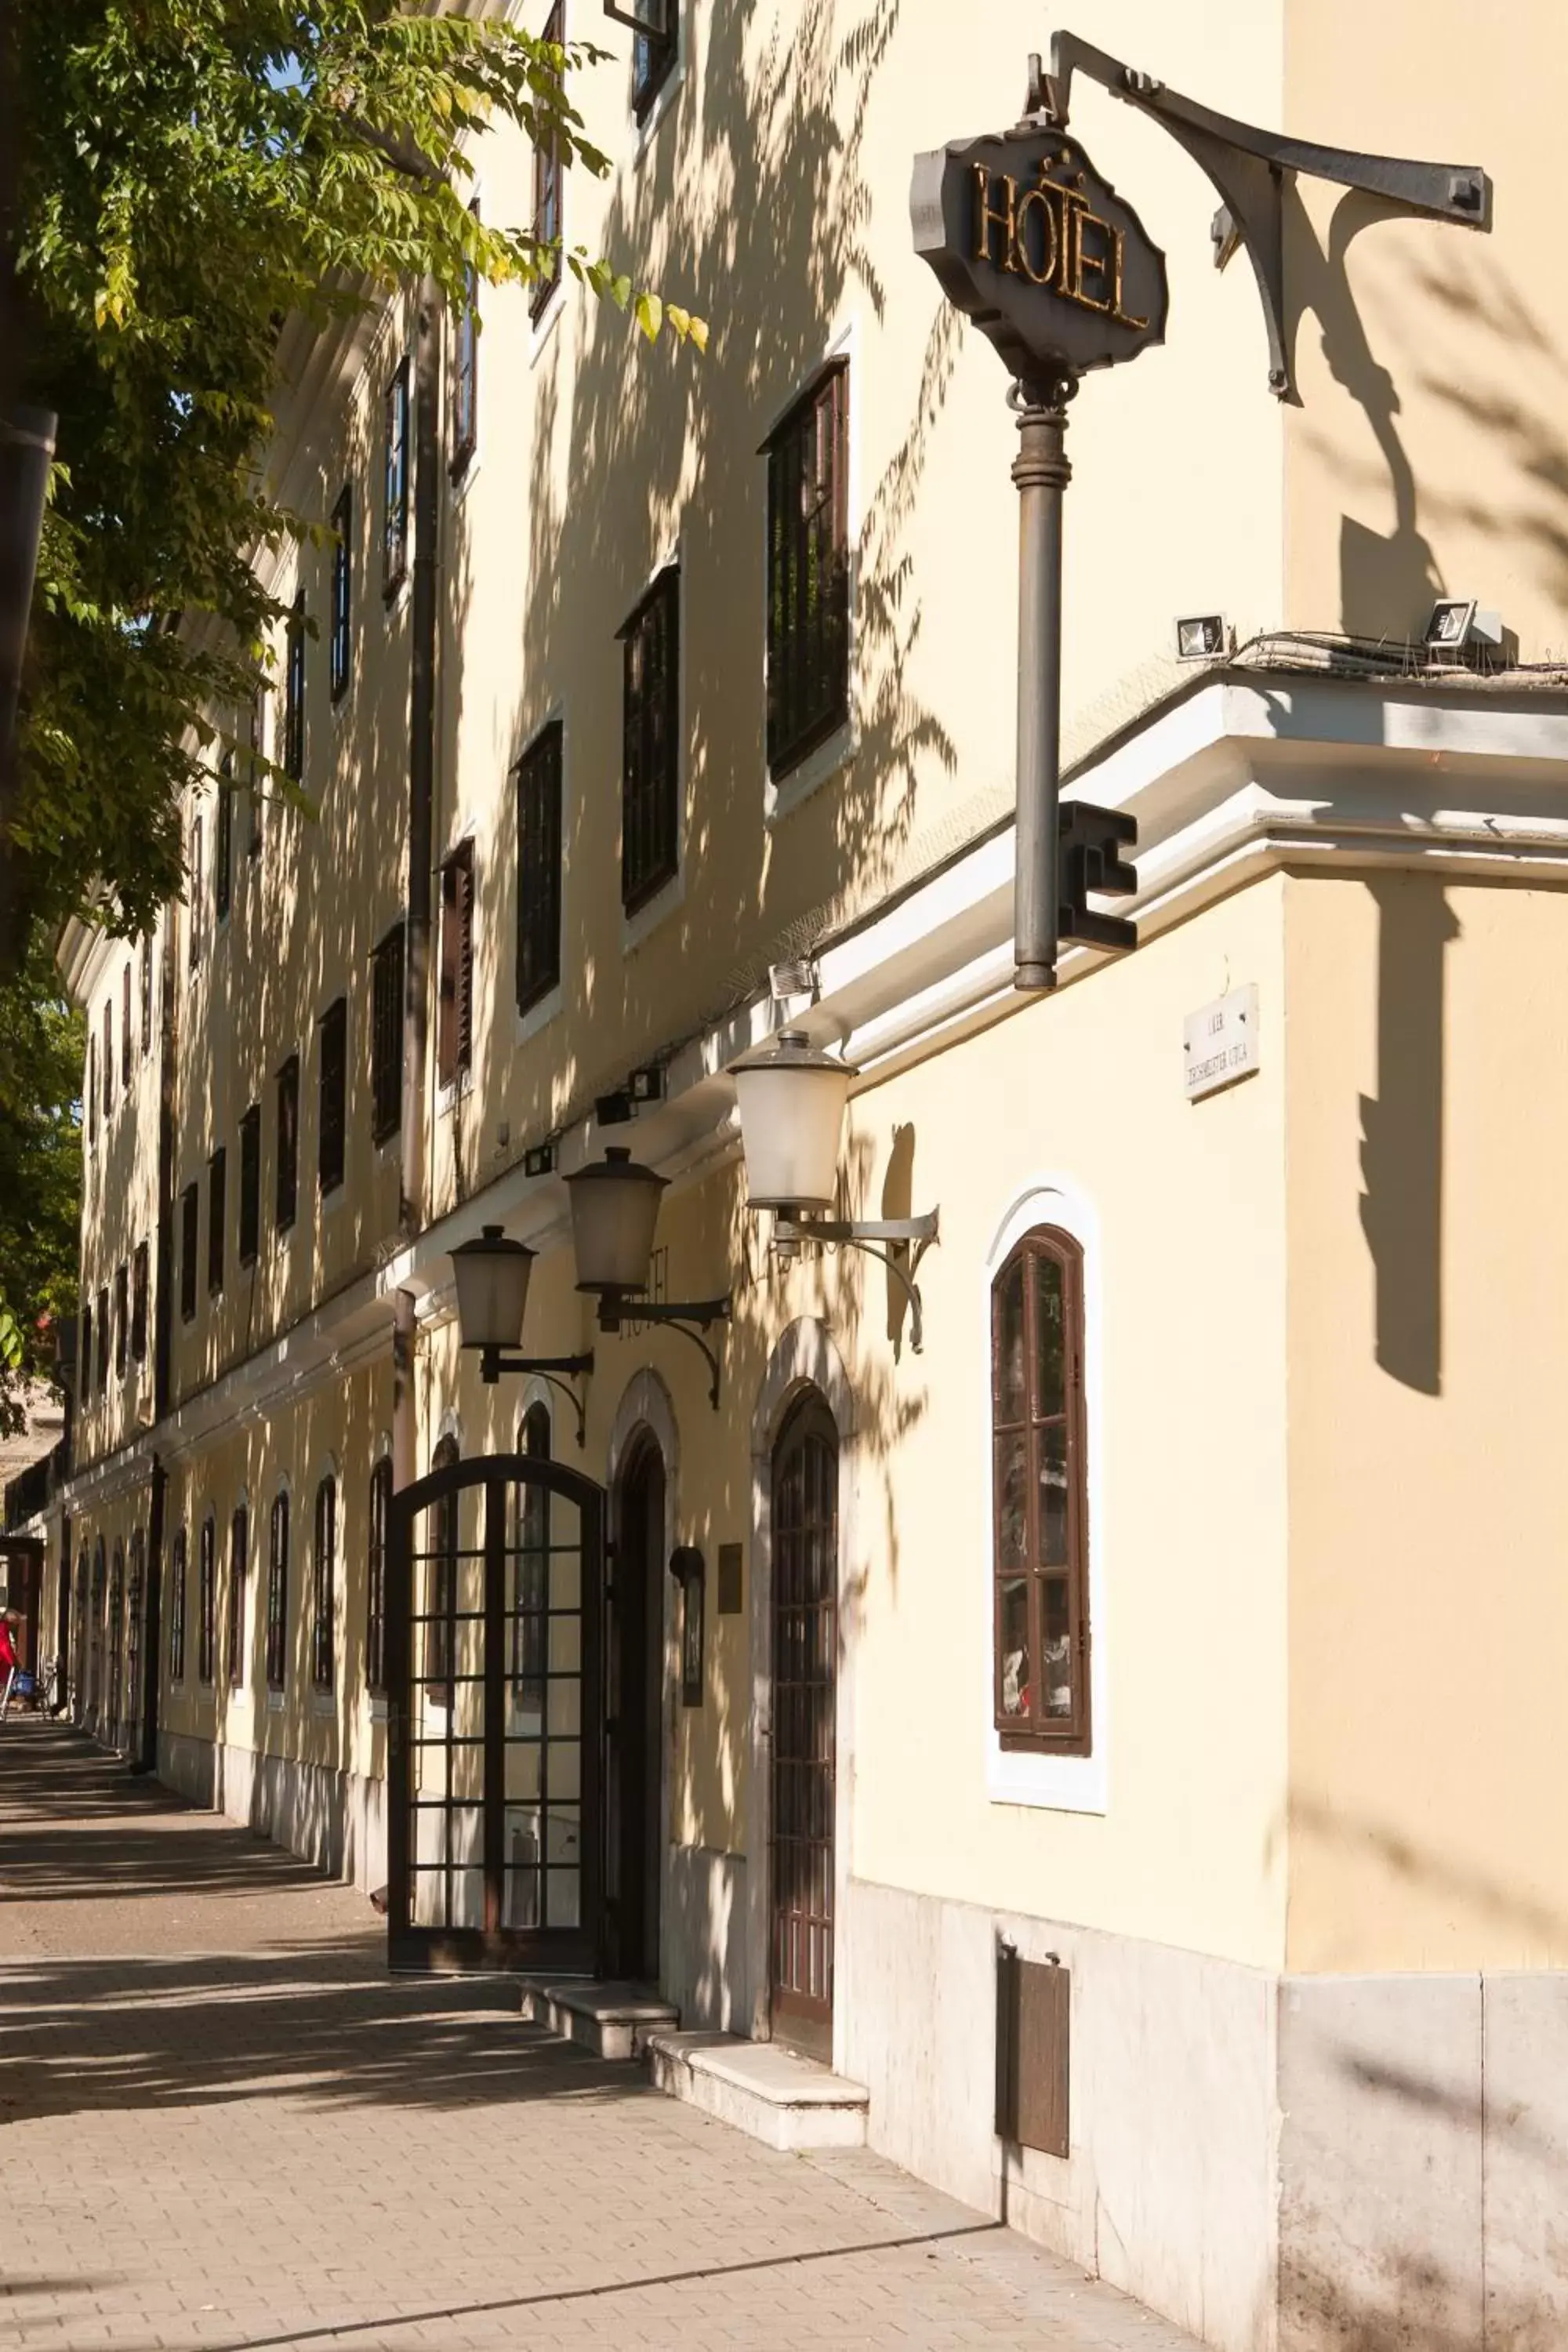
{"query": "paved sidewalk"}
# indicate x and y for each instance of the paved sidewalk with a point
(225, 2128)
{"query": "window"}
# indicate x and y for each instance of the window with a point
(206, 1590)
(333, 1092)
(395, 518)
(288, 1193)
(257, 731)
(1040, 1548)
(125, 1030)
(223, 841)
(102, 1341)
(122, 1319)
(321, 1613)
(177, 1609)
(808, 574)
(376, 1578)
(146, 993)
(654, 52)
(338, 649)
(650, 756)
(190, 1219)
(277, 1595)
(90, 1089)
(454, 1018)
(465, 385)
(84, 1368)
(547, 183)
(238, 1566)
(138, 1282)
(217, 1210)
(441, 1623)
(539, 869)
(530, 1620)
(250, 1185)
(108, 1061)
(294, 694)
(195, 885)
(386, 1036)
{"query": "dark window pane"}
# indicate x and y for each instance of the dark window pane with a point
(277, 1595)
(1056, 1644)
(650, 762)
(139, 1304)
(217, 1190)
(808, 574)
(654, 52)
(294, 694)
(1013, 1648)
(539, 869)
(322, 1613)
(547, 194)
(339, 646)
(177, 1609)
(238, 1569)
(376, 1635)
(250, 1185)
(223, 844)
(1049, 1337)
(287, 1142)
(1011, 1367)
(190, 1224)
(333, 1092)
(455, 1013)
(386, 1036)
(394, 484)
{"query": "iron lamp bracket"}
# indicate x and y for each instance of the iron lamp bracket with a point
(555, 1371)
(899, 1242)
(1247, 166)
(691, 1317)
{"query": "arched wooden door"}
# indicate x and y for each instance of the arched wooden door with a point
(493, 1677)
(635, 1718)
(804, 1693)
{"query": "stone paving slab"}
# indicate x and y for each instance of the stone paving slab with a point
(224, 2128)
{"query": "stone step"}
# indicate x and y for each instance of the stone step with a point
(785, 2101)
(614, 2021)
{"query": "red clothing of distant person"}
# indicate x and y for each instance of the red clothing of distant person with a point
(8, 1657)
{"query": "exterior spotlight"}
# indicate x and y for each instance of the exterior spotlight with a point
(791, 1097)
(1461, 630)
(615, 1210)
(491, 1275)
(1202, 637)
(539, 1160)
(646, 1085)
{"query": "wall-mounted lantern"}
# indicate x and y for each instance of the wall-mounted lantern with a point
(792, 1098)
(614, 1212)
(491, 1275)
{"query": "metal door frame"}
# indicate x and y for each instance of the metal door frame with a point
(569, 1950)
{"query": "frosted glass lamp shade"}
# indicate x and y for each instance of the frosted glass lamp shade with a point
(615, 1209)
(491, 1276)
(791, 1099)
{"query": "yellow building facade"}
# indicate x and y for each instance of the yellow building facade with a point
(1281, 1791)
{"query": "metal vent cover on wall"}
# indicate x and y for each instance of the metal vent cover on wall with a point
(1034, 2013)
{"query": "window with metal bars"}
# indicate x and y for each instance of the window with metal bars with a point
(125, 1046)
(195, 885)
(1039, 1497)
(177, 1608)
(103, 1337)
(323, 1584)
(386, 1036)
(238, 1570)
(257, 731)
(286, 1200)
(206, 1602)
(222, 840)
(189, 1225)
(808, 572)
(332, 1094)
(250, 1185)
(278, 1594)
(547, 191)
(146, 993)
(650, 742)
(376, 1578)
(465, 375)
(395, 482)
(340, 642)
(455, 1010)
(122, 1319)
(218, 1217)
(139, 1295)
(294, 693)
(539, 867)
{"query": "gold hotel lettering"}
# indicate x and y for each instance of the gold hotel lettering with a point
(1091, 280)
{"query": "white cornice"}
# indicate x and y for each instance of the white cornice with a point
(1238, 778)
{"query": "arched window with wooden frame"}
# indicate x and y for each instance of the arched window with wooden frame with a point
(323, 1587)
(531, 1596)
(177, 1608)
(278, 1593)
(1039, 1497)
(376, 1578)
(207, 1621)
(441, 1623)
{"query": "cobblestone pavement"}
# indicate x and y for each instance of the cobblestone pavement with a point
(225, 2128)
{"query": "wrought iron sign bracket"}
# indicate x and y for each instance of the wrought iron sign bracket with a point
(1247, 167)
(556, 1372)
(690, 1318)
(888, 1239)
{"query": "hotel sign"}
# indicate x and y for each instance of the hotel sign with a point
(1044, 257)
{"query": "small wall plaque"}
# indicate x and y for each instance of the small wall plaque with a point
(730, 1599)
(1220, 1043)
